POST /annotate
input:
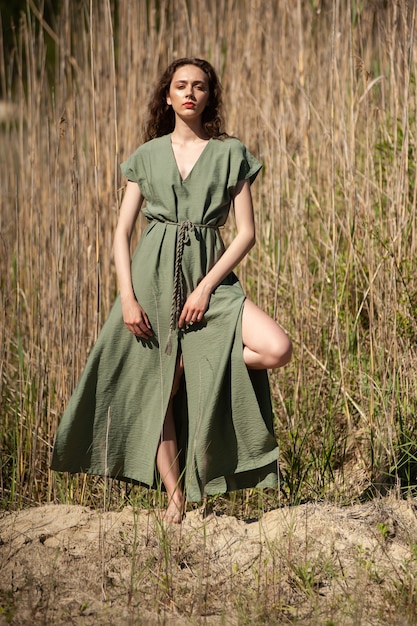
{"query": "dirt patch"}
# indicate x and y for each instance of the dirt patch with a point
(314, 564)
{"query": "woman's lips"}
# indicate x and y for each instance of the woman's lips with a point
(189, 105)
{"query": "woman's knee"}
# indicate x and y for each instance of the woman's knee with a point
(279, 351)
(267, 343)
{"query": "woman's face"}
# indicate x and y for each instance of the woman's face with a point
(188, 92)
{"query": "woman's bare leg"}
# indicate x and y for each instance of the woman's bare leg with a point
(266, 345)
(167, 457)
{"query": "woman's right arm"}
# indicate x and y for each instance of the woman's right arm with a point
(134, 316)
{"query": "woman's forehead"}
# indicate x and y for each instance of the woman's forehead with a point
(190, 73)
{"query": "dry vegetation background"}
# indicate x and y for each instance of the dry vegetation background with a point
(324, 92)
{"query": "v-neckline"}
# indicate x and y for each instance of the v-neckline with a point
(184, 180)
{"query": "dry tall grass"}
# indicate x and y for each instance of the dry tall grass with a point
(325, 93)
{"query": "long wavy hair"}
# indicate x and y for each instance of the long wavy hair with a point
(161, 117)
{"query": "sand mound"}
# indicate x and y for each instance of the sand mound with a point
(307, 564)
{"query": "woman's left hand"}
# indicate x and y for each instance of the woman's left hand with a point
(194, 307)
(198, 301)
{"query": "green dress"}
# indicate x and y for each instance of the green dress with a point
(223, 412)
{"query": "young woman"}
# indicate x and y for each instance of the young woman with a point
(175, 388)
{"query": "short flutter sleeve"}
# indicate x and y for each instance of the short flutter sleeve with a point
(135, 168)
(249, 166)
(242, 165)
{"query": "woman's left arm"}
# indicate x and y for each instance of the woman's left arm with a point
(198, 301)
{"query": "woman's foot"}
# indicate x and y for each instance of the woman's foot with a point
(174, 513)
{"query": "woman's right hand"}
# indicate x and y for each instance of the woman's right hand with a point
(135, 319)
(134, 316)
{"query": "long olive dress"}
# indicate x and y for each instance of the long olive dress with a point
(113, 421)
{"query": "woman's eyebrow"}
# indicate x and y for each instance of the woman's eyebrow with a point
(195, 82)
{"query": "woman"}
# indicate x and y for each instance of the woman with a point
(184, 396)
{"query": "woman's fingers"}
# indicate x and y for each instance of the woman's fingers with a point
(190, 316)
(136, 320)
(142, 329)
(194, 308)
(145, 327)
(139, 330)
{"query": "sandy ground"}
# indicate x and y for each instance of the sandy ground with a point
(311, 564)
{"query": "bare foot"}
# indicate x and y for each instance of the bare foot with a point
(175, 511)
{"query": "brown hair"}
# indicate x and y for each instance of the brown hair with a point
(161, 117)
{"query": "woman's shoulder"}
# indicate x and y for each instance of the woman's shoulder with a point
(229, 141)
(140, 161)
(230, 145)
(151, 145)
(241, 162)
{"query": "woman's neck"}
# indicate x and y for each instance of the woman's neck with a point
(188, 133)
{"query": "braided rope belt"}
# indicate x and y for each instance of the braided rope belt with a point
(183, 237)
